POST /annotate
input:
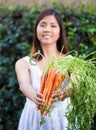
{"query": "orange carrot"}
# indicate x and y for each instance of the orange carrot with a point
(49, 82)
(42, 82)
(57, 82)
(48, 106)
(42, 85)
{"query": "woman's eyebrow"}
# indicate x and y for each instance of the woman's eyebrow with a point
(43, 22)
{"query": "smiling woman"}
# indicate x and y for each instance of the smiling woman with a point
(50, 40)
(61, 40)
(48, 32)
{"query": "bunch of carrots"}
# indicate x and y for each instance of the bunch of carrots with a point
(49, 82)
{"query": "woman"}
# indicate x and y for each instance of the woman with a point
(49, 38)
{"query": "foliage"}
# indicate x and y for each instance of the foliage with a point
(80, 27)
(16, 35)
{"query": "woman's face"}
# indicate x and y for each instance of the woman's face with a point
(48, 30)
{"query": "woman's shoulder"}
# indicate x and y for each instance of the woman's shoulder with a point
(22, 59)
(22, 62)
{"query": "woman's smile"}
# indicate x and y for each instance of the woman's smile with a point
(46, 36)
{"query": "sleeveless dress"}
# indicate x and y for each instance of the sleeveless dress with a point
(30, 116)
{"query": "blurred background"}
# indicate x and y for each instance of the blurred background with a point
(17, 19)
(48, 2)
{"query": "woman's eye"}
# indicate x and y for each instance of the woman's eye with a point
(53, 26)
(42, 25)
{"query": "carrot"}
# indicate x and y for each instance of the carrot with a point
(42, 82)
(42, 85)
(49, 82)
(48, 106)
(57, 82)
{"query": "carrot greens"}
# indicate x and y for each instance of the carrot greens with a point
(82, 107)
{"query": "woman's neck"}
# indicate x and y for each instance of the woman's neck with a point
(50, 51)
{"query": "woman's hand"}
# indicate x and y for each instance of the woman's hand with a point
(59, 95)
(37, 98)
(62, 93)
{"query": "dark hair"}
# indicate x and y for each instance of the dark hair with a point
(61, 43)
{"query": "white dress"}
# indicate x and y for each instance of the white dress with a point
(30, 116)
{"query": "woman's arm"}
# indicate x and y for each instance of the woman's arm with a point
(23, 77)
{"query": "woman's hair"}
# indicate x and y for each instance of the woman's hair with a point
(61, 42)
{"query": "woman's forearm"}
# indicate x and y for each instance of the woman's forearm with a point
(28, 91)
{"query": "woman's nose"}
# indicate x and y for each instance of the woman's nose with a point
(47, 28)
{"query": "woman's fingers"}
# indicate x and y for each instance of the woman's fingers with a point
(38, 99)
(58, 95)
(55, 94)
(39, 95)
(62, 95)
